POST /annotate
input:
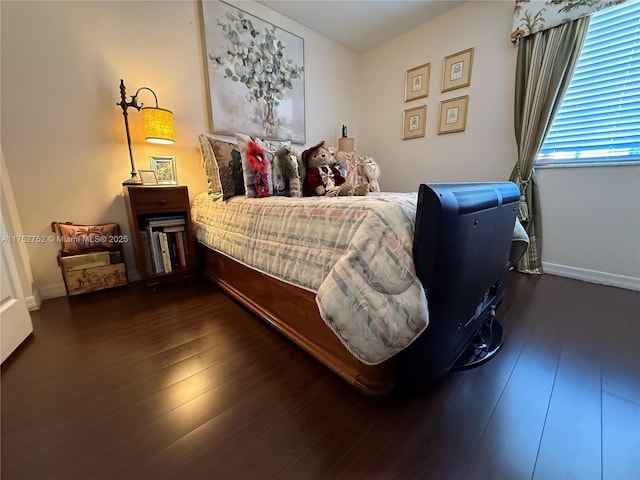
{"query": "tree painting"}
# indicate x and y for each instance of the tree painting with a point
(247, 52)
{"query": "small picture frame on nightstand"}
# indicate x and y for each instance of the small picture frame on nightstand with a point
(165, 168)
(148, 177)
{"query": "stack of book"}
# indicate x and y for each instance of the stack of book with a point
(167, 243)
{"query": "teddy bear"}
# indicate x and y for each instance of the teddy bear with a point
(322, 178)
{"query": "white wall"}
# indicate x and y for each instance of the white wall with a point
(62, 133)
(590, 216)
(486, 150)
(591, 223)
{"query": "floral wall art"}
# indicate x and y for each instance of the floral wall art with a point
(255, 74)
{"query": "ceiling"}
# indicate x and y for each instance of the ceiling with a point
(361, 24)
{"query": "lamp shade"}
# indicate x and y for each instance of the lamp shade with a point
(346, 144)
(157, 124)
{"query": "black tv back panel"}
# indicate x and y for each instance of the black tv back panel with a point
(461, 251)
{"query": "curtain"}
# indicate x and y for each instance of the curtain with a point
(533, 16)
(545, 63)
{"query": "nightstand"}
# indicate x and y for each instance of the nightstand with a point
(161, 231)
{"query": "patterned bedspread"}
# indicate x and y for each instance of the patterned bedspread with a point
(355, 253)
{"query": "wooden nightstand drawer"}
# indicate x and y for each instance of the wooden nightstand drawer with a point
(152, 199)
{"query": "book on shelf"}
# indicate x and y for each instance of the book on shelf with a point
(181, 241)
(165, 220)
(157, 252)
(165, 248)
(165, 243)
(173, 249)
(146, 248)
(177, 248)
(166, 256)
(179, 228)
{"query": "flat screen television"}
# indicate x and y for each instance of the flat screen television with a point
(463, 282)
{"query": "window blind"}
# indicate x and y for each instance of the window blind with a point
(599, 118)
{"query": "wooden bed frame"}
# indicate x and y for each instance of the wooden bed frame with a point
(293, 312)
(461, 245)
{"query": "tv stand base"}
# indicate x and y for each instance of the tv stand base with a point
(484, 346)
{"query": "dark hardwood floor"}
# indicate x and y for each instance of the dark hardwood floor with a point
(183, 383)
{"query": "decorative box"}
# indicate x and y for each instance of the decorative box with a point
(92, 271)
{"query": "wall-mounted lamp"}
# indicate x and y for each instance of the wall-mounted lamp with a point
(157, 125)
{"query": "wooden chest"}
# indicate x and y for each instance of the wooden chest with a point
(92, 271)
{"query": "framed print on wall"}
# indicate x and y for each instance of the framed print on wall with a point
(453, 115)
(255, 73)
(165, 168)
(414, 122)
(417, 82)
(456, 72)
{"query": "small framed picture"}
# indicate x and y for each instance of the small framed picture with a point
(414, 122)
(148, 177)
(456, 72)
(453, 115)
(417, 82)
(165, 168)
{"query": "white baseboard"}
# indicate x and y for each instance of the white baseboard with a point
(592, 276)
(33, 301)
(53, 291)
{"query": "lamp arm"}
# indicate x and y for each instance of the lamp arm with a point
(135, 97)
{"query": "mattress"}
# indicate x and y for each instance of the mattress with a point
(354, 253)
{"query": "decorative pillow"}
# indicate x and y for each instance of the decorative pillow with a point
(82, 238)
(349, 160)
(247, 144)
(223, 166)
(278, 177)
(277, 182)
(214, 187)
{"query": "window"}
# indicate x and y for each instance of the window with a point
(599, 118)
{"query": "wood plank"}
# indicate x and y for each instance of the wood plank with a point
(620, 438)
(620, 347)
(182, 382)
(509, 444)
(571, 440)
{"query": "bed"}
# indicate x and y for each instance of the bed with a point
(386, 289)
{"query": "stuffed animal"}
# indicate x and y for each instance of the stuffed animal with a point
(369, 171)
(334, 161)
(322, 179)
(287, 163)
(362, 172)
(259, 167)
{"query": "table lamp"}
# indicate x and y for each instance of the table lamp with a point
(157, 125)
